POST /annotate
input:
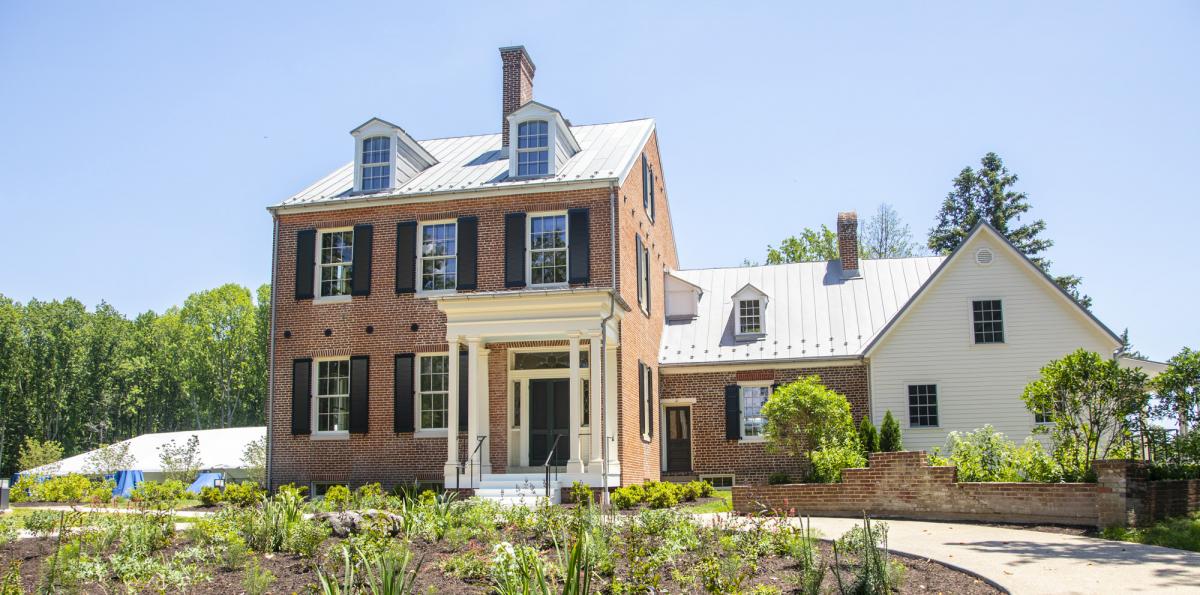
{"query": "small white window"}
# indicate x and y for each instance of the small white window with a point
(547, 249)
(433, 394)
(439, 256)
(337, 262)
(753, 399)
(533, 148)
(376, 163)
(333, 396)
(749, 317)
(649, 181)
(718, 481)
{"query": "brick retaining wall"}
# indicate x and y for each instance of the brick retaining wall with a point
(902, 484)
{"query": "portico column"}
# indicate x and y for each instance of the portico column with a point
(611, 443)
(483, 406)
(452, 410)
(594, 386)
(473, 423)
(575, 462)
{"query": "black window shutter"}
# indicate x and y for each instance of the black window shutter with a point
(645, 183)
(649, 279)
(462, 391)
(733, 412)
(361, 281)
(360, 378)
(403, 408)
(650, 400)
(641, 276)
(406, 257)
(514, 250)
(468, 252)
(641, 397)
(306, 248)
(578, 251)
(301, 395)
(653, 184)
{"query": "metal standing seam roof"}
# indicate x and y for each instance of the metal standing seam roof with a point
(474, 162)
(219, 449)
(811, 312)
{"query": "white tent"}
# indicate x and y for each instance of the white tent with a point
(220, 450)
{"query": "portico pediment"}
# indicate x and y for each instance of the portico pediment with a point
(531, 315)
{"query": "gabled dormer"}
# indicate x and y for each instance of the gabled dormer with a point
(683, 298)
(542, 141)
(749, 313)
(385, 156)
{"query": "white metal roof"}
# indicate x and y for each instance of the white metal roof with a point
(607, 151)
(219, 449)
(811, 313)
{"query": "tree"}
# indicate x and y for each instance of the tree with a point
(37, 453)
(889, 434)
(811, 246)
(1178, 390)
(1126, 349)
(1091, 403)
(110, 458)
(868, 437)
(181, 462)
(986, 195)
(802, 414)
(254, 457)
(885, 235)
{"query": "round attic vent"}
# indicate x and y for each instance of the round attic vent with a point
(983, 256)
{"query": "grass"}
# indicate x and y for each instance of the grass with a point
(1180, 533)
(723, 503)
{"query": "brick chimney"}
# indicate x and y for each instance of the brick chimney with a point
(518, 83)
(847, 234)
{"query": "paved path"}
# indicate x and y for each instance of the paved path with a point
(1025, 561)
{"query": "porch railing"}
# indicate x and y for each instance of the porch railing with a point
(470, 461)
(550, 459)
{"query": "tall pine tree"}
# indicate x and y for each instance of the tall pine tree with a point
(987, 194)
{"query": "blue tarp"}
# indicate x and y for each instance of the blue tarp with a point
(205, 480)
(126, 482)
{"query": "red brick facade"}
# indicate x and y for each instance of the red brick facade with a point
(749, 462)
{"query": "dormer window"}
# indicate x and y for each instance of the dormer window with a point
(533, 148)
(749, 317)
(376, 163)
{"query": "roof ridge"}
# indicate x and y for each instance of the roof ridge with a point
(423, 140)
(813, 262)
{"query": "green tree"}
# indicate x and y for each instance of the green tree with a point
(802, 414)
(1127, 349)
(890, 439)
(868, 437)
(110, 458)
(987, 195)
(1091, 403)
(885, 235)
(36, 453)
(220, 352)
(254, 457)
(181, 462)
(1178, 389)
(811, 246)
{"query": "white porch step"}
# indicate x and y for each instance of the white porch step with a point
(526, 489)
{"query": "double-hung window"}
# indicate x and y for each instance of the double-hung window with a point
(547, 249)
(648, 183)
(643, 270)
(749, 317)
(376, 163)
(439, 256)
(646, 400)
(533, 148)
(753, 399)
(337, 262)
(922, 406)
(333, 396)
(988, 318)
(433, 392)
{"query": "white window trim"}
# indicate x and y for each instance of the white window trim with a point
(420, 432)
(762, 318)
(529, 217)
(421, 259)
(908, 416)
(646, 402)
(315, 405)
(971, 322)
(742, 412)
(643, 282)
(731, 476)
(328, 299)
(390, 163)
(514, 127)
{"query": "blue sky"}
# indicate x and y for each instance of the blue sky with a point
(142, 141)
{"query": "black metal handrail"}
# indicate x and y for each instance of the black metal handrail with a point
(549, 458)
(462, 465)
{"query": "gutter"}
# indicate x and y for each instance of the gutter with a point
(790, 360)
(612, 303)
(271, 364)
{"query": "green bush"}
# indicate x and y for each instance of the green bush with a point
(706, 489)
(158, 495)
(803, 413)
(662, 494)
(889, 434)
(868, 436)
(243, 495)
(688, 492)
(257, 580)
(832, 457)
(211, 495)
(369, 495)
(779, 478)
(42, 522)
(336, 498)
(628, 496)
(65, 488)
(986, 455)
(1180, 533)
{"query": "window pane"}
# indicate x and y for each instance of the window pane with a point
(988, 320)
(922, 405)
(434, 384)
(753, 398)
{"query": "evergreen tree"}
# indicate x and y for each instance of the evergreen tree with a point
(868, 436)
(889, 434)
(987, 195)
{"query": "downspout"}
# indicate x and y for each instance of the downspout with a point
(612, 302)
(271, 364)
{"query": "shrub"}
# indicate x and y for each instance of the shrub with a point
(662, 494)
(8, 532)
(832, 457)
(688, 492)
(257, 579)
(36, 453)
(778, 478)
(336, 498)
(802, 414)
(158, 495)
(211, 495)
(889, 434)
(868, 437)
(64, 488)
(181, 462)
(986, 455)
(628, 496)
(42, 522)
(243, 495)
(704, 489)
(369, 495)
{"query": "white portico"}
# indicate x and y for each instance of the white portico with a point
(560, 389)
